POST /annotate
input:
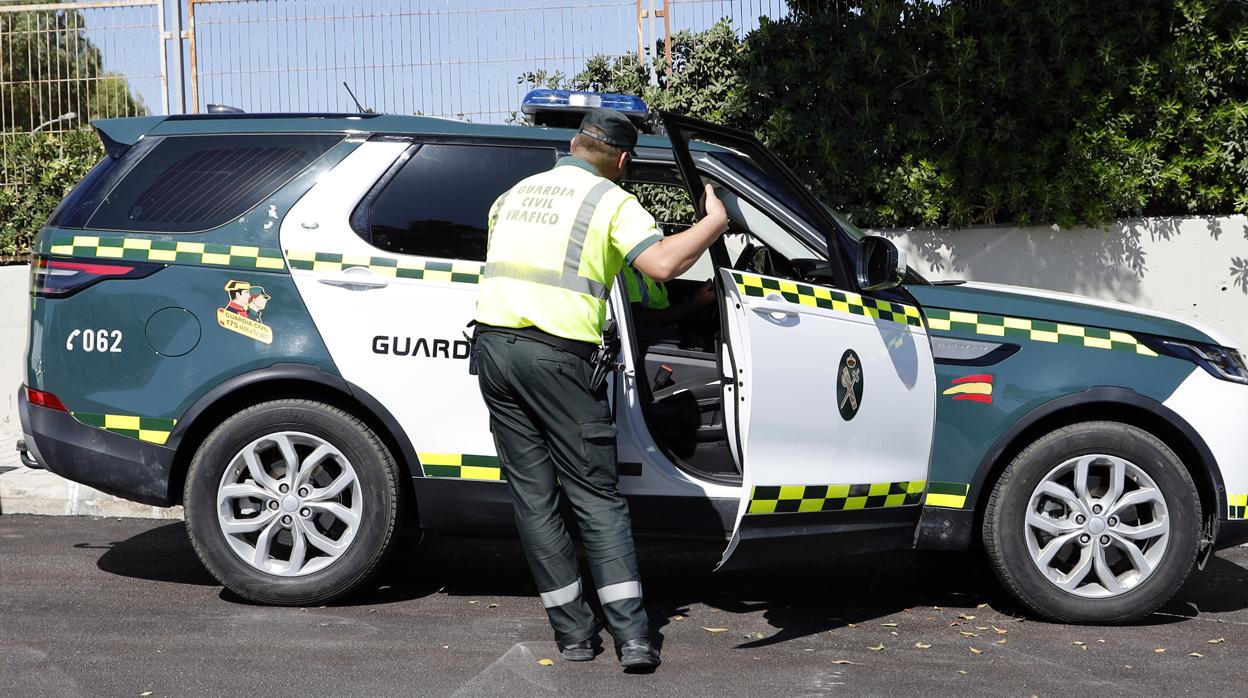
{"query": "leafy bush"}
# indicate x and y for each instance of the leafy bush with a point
(968, 111)
(46, 166)
(953, 112)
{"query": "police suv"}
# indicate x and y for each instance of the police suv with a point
(261, 318)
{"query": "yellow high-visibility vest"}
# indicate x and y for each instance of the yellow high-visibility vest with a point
(557, 241)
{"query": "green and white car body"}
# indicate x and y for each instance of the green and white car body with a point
(853, 418)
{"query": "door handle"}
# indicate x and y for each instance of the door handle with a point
(355, 279)
(774, 307)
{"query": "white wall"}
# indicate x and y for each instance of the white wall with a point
(14, 321)
(1195, 267)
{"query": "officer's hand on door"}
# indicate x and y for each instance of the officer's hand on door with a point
(713, 207)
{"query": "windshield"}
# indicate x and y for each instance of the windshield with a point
(744, 166)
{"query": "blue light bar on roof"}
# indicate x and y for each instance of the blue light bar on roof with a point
(550, 102)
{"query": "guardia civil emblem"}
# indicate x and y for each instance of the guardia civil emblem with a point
(849, 385)
(244, 313)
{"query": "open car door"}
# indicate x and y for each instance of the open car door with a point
(829, 393)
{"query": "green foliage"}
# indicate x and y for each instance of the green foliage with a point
(969, 111)
(919, 112)
(51, 68)
(48, 165)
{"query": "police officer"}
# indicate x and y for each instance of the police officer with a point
(557, 240)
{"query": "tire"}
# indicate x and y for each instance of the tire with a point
(345, 512)
(1113, 587)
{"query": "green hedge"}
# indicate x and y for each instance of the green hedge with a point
(42, 168)
(913, 112)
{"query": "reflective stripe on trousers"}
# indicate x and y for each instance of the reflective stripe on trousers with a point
(619, 592)
(564, 595)
(569, 278)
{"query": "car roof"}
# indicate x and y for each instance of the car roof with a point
(129, 130)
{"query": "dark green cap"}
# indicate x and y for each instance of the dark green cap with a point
(618, 130)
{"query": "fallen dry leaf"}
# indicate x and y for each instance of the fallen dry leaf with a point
(1081, 643)
(1127, 666)
(976, 651)
(843, 661)
(888, 625)
(853, 625)
(877, 648)
(146, 693)
(999, 631)
(546, 662)
(1160, 650)
(982, 605)
(808, 649)
(1197, 655)
(1217, 641)
(678, 617)
(715, 630)
(472, 602)
(968, 633)
(758, 636)
(1001, 641)
(493, 605)
(965, 616)
(922, 645)
(981, 627)
(962, 672)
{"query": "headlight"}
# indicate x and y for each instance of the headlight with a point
(1220, 362)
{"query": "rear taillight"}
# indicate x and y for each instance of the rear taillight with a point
(57, 278)
(40, 398)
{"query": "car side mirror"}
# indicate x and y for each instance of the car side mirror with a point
(880, 264)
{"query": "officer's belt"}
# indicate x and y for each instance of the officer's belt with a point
(585, 350)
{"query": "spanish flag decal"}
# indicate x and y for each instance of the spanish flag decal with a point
(976, 388)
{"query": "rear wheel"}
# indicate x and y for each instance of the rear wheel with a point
(1096, 522)
(292, 502)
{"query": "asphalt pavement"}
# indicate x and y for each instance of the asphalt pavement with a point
(122, 607)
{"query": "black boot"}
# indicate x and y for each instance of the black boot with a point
(638, 656)
(582, 651)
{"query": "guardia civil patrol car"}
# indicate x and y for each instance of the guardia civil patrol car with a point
(261, 318)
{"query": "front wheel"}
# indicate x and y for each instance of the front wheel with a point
(1097, 522)
(292, 502)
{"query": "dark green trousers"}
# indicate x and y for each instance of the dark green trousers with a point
(553, 434)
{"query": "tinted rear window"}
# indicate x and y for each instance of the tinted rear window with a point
(438, 204)
(189, 183)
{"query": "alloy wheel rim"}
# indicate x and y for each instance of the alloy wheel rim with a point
(289, 504)
(1097, 526)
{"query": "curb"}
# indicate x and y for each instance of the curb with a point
(27, 491)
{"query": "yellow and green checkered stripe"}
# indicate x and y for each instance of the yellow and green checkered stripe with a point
(830, 299)
(950, 495)
(149, 429)
(426, 269)
(461, 466)
(169, 251)
(940, 319)
(796, 499)
(1238, 506)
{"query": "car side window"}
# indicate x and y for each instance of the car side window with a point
(438, 203)
(191, 183)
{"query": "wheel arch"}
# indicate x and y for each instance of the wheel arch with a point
(282, 381)
(1104, 404)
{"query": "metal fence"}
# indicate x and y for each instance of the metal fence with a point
(457, 59)
(64, 64)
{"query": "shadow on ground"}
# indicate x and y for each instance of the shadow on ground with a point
(797, 600)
